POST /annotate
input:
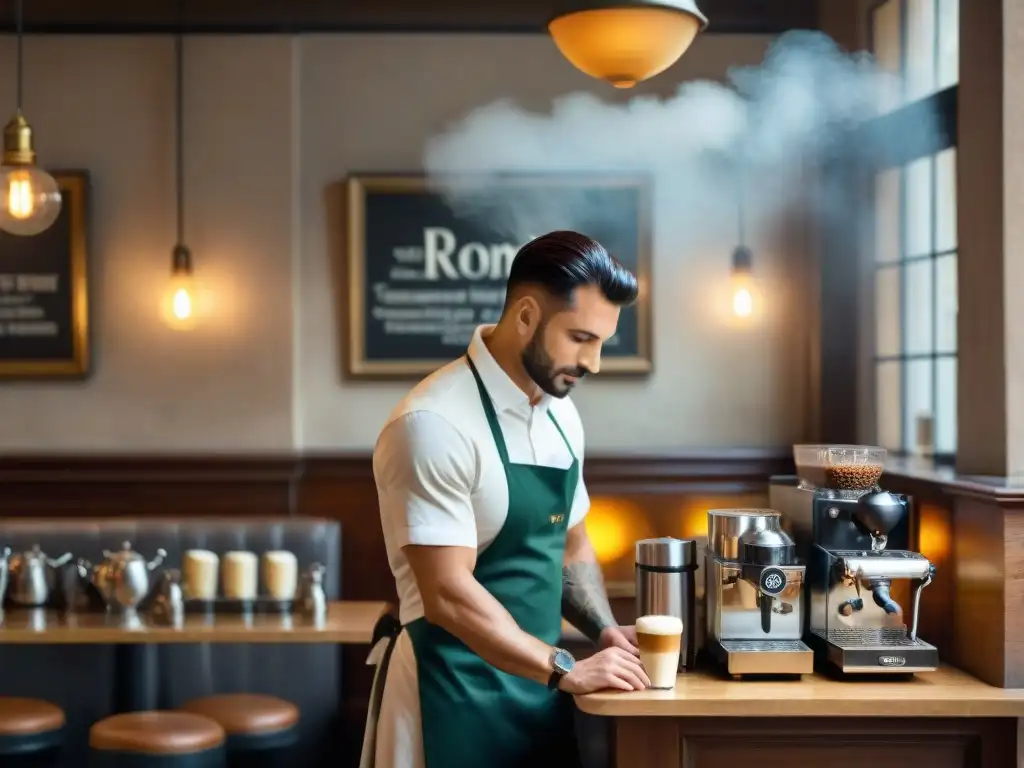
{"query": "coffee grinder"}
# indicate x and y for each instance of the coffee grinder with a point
(855, 538)
(754, 592)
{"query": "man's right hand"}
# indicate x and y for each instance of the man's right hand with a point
(614, 668)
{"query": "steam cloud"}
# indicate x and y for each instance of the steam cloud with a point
(785, 129)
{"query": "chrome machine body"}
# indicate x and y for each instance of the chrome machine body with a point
(855, 544)
(754, 593)
(665, 573)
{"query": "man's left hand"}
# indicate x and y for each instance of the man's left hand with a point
(619, 637)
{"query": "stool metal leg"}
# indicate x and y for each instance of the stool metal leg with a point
(136, 677)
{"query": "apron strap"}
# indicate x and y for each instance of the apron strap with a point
(492, 417)
(564, 438)
(387, 626)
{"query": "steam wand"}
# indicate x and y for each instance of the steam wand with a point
(917, 601)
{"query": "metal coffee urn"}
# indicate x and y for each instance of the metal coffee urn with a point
(665, 586)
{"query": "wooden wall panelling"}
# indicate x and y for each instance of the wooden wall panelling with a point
(974, 610)
(139, 486)
(979, 592)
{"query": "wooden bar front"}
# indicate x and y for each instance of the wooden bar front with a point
(944, 719)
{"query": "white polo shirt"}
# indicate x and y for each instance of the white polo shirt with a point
(440, 480)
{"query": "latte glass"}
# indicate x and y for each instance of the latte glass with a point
(659, 639)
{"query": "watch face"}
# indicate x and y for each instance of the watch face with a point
(563, 661)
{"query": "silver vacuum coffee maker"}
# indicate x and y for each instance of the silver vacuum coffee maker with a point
(855, 537)
(754, 593)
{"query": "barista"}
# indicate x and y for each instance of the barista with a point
(482, 500)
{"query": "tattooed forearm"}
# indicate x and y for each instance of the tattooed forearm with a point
(584, 600)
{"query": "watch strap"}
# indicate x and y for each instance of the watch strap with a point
(557, 673)
(555, 679)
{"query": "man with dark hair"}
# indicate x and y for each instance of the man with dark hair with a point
(482, 503)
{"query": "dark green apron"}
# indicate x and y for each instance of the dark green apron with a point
(474, 715)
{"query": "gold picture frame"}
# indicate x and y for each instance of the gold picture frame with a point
(74, 187)
(360, 188)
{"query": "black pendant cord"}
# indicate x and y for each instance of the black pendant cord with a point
(179, 130)
(740, 209)
(19, 26)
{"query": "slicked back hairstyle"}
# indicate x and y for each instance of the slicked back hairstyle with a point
(563, 261)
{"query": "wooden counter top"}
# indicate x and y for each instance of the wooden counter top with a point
(346, 622)
(945, 693)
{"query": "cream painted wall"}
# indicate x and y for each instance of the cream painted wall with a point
(272, 123)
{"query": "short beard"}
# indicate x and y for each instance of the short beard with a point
(541, 369)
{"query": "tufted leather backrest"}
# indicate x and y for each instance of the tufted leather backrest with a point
(81, 678)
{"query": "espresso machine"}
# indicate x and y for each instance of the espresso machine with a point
(754, 595)
(854, 537)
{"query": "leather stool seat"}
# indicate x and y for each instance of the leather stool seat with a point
(255, 724)
(29, 726)
(157, 739)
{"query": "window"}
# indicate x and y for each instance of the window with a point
(915, 247)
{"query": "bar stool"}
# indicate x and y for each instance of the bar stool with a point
(260, 729)
(31, 732)
(156, 740)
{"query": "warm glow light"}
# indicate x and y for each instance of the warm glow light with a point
(609, 534)
(30, 201)
(614, 525)
(20, 198)
(180, 302)
(625, 45)
(694, 512)
(742, 302)
(934, 534)
(742, 294)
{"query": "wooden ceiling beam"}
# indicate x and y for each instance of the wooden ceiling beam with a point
(298, 16)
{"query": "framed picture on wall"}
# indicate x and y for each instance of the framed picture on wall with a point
(425, 265)
(44, 293)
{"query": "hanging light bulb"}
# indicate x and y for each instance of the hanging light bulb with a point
(180, 305)
(181, 299)
(743, 287)
(626, 41)
(30, 199)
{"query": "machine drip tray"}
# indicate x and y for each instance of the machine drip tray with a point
(763, 646)
(884, 650)
(882, 637)
(764, 657)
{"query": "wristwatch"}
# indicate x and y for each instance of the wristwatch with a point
(562, 663)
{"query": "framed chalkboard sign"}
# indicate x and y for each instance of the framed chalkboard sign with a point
(44, 295)
(425, 266)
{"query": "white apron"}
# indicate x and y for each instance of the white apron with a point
(400, 747)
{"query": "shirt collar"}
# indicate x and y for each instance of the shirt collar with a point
(504, 393)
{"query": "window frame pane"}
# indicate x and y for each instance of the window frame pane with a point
(939, 94)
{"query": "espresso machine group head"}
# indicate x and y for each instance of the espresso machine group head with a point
(754, 592)
(855, 537)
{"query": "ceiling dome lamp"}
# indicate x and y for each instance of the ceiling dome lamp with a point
(627, 41)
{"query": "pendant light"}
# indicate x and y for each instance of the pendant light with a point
(743, 288)
(627, 41)
(29, 196)
(179, 305)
